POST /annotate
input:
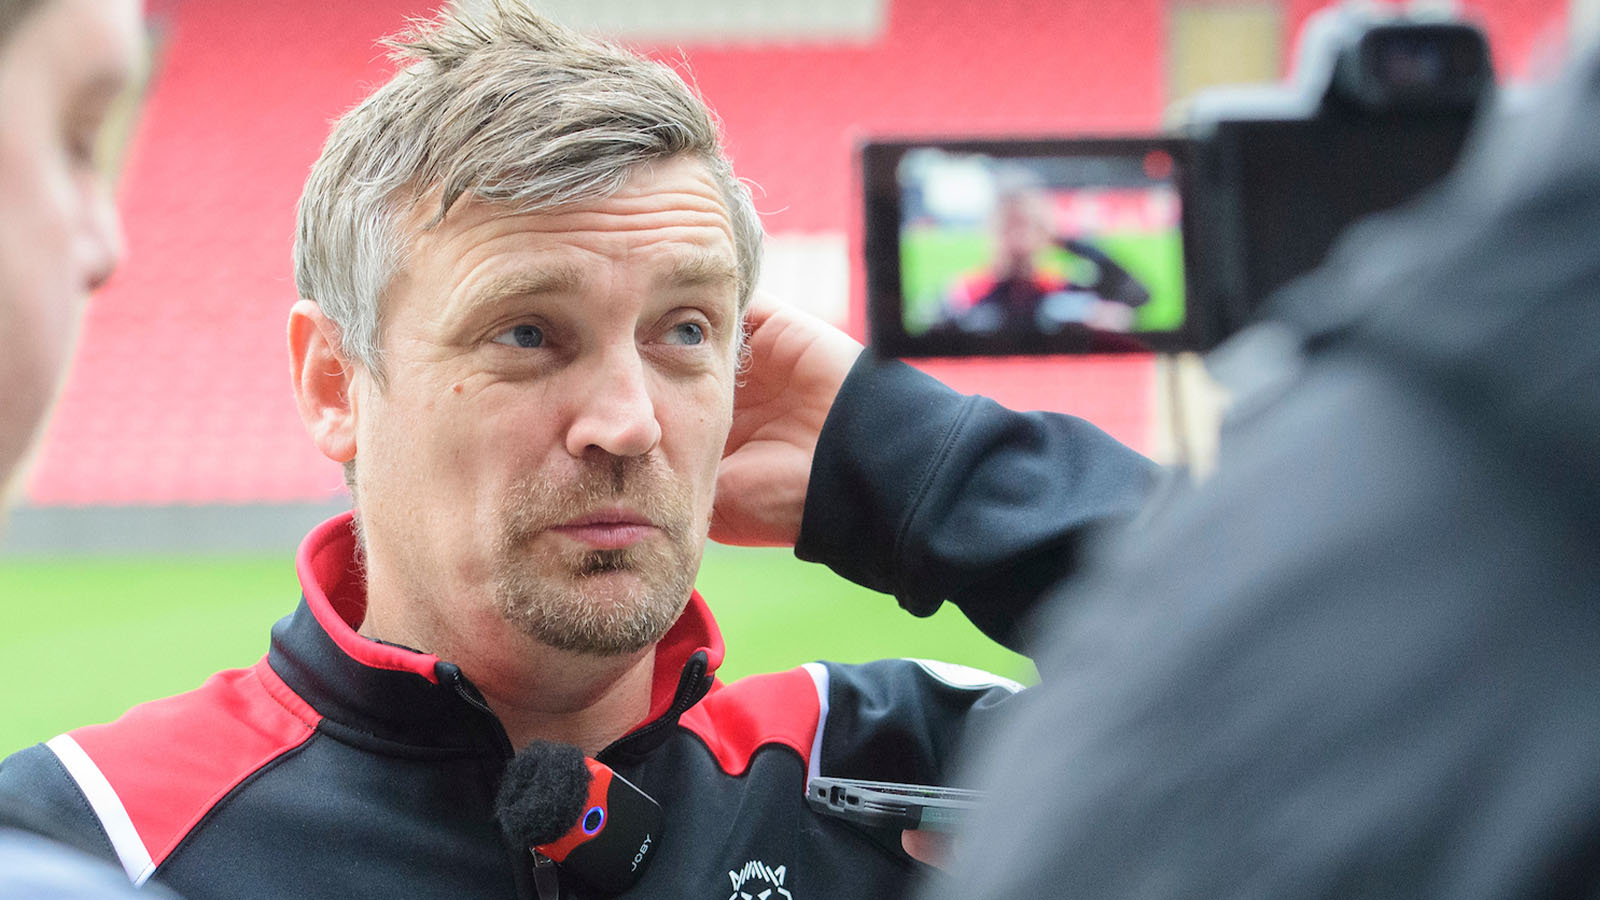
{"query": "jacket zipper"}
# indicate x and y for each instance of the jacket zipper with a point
(546, 883)
(468, 693)
(691, 689)
(546, 878)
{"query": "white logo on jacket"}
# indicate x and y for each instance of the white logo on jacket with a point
(758, 881)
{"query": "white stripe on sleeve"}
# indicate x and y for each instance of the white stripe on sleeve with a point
(819, 677)
(107, 806)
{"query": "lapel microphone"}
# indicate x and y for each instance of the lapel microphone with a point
(595, 825)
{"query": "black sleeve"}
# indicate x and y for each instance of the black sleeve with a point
(1113, 281)
(929, 495)
(905, 720)
(37, 795)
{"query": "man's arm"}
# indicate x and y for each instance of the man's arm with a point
(908, 487)
(929, 495)
(37, 795)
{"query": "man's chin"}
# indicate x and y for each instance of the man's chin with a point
(611, 612)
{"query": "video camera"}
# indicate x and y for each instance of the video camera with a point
(1166, 243)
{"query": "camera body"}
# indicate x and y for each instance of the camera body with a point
(1163, 243)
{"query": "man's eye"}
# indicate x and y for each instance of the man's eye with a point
(524, 336)
(688, 333)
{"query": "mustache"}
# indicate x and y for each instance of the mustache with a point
(643, 484)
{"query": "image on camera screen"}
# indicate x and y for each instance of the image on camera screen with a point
(993, 247)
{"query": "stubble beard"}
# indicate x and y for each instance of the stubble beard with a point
(584, 601)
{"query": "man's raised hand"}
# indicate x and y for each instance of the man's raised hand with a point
(796, 363)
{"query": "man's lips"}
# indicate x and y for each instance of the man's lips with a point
(611, 529)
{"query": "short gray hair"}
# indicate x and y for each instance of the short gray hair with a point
(496, 103)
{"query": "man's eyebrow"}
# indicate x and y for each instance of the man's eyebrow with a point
(702, 270)
(698, 270)
(554, 279)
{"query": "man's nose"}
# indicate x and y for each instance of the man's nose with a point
(101, 237)
(613, 409)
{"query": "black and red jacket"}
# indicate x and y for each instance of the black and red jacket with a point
(341, 767)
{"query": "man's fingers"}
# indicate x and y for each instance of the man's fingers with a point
(931, 847)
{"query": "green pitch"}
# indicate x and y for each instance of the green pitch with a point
(933, 258)
(85, 638)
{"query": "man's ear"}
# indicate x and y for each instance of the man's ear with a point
(323, 381)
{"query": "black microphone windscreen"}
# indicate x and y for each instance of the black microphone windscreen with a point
(542, 793)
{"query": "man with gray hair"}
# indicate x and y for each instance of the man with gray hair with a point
(524, 267)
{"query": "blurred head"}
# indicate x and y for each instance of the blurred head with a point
(62, 64)
(1022, 228)
(524, 261)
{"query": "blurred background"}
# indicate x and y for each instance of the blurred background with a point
(155, 539)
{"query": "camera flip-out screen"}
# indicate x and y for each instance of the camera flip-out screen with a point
(1025, 246)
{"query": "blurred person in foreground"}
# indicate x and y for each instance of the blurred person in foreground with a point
(1362, 659)
(524, 264)
(62, 65)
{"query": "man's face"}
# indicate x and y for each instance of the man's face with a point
(558, 389)
(59, 75)
(1022, 227)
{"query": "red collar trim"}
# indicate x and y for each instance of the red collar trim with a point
(695, 631)
(336, 591)
(982, 283)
